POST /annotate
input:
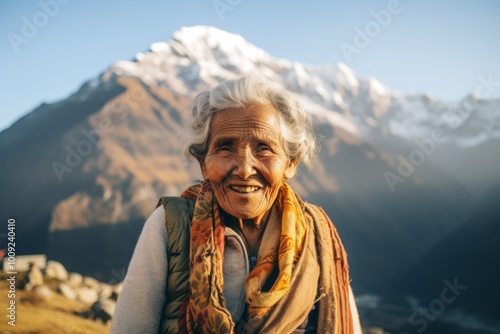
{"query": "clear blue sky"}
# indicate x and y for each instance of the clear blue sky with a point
(440, 47)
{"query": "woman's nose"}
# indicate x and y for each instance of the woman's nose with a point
(245, 165)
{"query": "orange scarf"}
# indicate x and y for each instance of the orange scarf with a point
(205, 310)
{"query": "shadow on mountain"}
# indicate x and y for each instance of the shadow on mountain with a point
(467, 259)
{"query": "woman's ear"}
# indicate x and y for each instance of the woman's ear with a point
(203, 168)
(290, 170)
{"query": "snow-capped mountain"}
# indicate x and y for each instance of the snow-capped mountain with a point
(358, 109)
(91, 167)
(201, 56)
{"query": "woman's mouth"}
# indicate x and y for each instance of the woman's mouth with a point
(244, 189)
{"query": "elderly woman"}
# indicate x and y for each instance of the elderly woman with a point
(240, 252)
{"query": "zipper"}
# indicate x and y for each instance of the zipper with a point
(230, 233)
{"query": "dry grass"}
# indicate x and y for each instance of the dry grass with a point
(34, 315)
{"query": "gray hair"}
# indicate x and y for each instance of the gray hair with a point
(296, 129)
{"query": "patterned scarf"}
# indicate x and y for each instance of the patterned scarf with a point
(205, 310)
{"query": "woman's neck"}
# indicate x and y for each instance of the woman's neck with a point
(251, 230)
(257, 223)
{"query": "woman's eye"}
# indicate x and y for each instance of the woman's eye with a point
(225, 147)
(263, 148)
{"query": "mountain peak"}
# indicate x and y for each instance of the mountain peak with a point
(204, 53)
(195, 54)
(197, 57)
(208, 35)
(211, 43)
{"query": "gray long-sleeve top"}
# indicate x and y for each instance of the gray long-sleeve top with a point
(141, 301)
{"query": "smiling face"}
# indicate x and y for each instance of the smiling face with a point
(246, 161)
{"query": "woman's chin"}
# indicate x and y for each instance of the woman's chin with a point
(243, 212)
(239, 214)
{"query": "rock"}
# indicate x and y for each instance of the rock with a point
(103, 309)
(91, 282)
(105, 291)
(56, 270)
(75, 280)
(42, 291)
(86, 295)
(67, 291)
(118, 288)
(33, 278)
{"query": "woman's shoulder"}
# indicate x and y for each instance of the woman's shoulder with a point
(155, 222)
(171, 218)
(177, 214)
(316, 212)
(175, 201)
(176, 206)
(311, 207)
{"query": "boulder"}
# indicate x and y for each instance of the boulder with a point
(103, 310)
(67, 291)
(117, 288)
(42, 291)
(75, 280)
(105, 291)
(33, 278)
(87, 295)
(56, 270)
(91, 282)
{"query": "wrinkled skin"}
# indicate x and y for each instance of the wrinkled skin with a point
(246, 162)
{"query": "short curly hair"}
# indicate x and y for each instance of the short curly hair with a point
(296, 128)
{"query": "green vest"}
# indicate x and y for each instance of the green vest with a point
(178, 216)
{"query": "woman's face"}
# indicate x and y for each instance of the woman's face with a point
(246, 161)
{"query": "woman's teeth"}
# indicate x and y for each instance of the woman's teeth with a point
(242, 189)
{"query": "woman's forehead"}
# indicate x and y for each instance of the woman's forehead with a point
(246, 118)
(255, 123)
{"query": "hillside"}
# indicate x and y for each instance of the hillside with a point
(37, 315)
(468, 255)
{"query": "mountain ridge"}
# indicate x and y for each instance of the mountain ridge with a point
(123, 130)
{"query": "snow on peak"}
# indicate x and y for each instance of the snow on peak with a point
(376, 87)
(347, 75)
(201, 56)
(197, 38)
(205, 43)
(197, 54)
(344, 69)
(207, 54)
